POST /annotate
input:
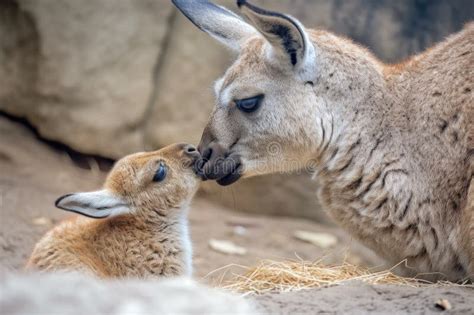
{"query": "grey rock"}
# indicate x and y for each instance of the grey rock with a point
(78, 294)
(80, 71)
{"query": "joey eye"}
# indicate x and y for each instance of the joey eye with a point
(250, 104)
(160, 173)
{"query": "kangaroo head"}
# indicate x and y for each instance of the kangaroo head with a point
(149, 181)
(273, 107)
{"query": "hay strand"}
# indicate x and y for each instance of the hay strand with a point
(288, 276)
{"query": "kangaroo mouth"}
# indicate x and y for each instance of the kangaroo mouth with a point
(224, 170)
(232, 177)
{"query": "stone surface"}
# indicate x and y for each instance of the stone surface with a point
(80, 295)
(183, 97)
(87, 77)
(278, 194)
(393, 30)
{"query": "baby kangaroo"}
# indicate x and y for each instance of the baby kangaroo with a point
(137, 224)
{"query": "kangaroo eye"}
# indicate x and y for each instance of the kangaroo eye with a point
(250, 104)
(160, 173)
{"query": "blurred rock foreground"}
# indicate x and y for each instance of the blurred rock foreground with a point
(113, 77)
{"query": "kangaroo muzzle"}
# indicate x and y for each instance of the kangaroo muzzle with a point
(218, 163)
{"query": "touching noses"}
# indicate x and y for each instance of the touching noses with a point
(218, 162)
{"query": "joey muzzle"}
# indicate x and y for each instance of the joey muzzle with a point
(218, 163)
(192, 154)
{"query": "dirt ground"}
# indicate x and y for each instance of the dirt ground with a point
(33, 175)
(360, 298)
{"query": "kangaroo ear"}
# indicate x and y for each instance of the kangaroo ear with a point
(286, 35)
(95, 204)
(220, 23)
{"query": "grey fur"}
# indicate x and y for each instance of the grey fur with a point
(392, 144)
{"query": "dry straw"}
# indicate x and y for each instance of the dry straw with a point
(297, 275)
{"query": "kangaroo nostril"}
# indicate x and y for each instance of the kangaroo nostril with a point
(207, 154)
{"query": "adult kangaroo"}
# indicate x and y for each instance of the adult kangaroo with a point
(392, 146)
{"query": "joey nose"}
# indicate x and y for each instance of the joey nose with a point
(191, 151)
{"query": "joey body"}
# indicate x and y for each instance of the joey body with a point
(136, 226)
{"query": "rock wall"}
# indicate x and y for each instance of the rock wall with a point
(83, 73)
(112, 77)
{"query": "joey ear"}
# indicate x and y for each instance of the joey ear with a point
(286, 34)
(95, 204)
(222, 24)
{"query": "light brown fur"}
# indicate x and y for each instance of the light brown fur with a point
(151, 240)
